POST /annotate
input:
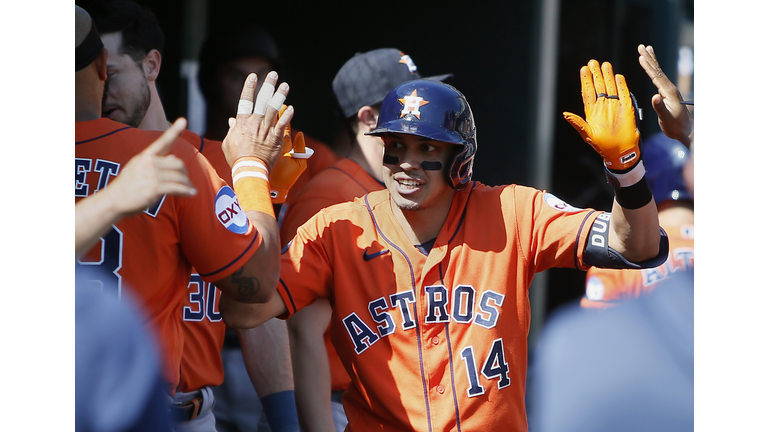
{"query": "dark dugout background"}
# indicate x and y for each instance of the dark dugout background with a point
(492, 48)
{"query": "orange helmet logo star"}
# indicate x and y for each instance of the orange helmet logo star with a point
(411, 105)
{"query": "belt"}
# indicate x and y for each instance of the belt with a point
(186, 411)
(336, 395)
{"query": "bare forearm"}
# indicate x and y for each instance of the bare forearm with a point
(635, 233)
(311, 368)
(267, 357)
(240, 315)
(93, 217)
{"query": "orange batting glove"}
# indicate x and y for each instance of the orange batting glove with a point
(289, 166)
(610, 126)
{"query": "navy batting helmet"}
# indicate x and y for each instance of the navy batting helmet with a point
(664, 159)
(433, 110)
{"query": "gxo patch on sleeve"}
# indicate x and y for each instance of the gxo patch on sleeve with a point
(228, 211)
(557, 203)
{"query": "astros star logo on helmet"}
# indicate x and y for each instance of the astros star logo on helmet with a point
(411, 104)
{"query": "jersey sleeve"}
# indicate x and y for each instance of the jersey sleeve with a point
(216, 236)
(552, 231)
(306, 265)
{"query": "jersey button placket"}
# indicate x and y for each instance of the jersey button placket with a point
(440, 389)
(435, 340)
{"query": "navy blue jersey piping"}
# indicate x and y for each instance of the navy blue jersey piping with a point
(450, 360)
(202, 144)
(578, 236)
(415, 308)
(290, 297)
(102, 136)
(234, 260)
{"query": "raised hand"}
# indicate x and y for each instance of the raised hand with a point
(610, 126)
(674, 118)
(256, 131)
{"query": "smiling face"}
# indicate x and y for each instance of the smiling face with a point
(411, 186)
(126, 92)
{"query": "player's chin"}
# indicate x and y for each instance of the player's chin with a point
(406, 204)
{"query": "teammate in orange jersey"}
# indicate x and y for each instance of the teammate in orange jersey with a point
(428, 280)
(230, 239)
(134, 40)
(666, 157)
(359, 86)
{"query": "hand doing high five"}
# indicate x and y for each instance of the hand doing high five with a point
(610, 126)
(255, 141)
(674, 118)
(256, 131)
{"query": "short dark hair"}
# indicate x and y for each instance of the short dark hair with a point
(138, 25)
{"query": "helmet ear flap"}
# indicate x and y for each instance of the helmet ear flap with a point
(460, 170)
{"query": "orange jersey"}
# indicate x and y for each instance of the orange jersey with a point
(152, 253)
(608, 287)
(202, 323)
(342, 182)
(434, 342)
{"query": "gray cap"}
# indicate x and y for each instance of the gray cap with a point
(367, 77)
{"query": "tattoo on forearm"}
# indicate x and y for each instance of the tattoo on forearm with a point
(247, 287)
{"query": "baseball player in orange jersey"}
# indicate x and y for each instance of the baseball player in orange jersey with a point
(359, 86)
(134, 41)
(232, 240)
(428, 280)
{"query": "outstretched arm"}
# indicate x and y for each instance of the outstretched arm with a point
(267, 359)
(148, 176)
(610, 128)
(252, 147)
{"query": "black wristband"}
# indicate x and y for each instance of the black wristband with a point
(635, 196)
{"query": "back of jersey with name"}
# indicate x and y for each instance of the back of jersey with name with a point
(152, 253)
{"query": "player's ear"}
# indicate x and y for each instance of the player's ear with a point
(151, 64)
(368, 116)
(101, 64)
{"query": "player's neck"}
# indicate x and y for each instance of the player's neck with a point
(155, 118)
(423, 225)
